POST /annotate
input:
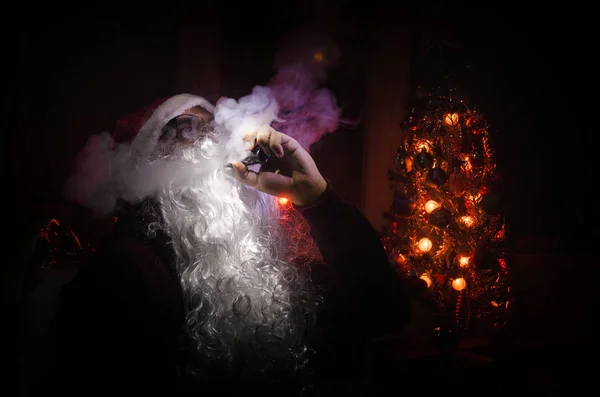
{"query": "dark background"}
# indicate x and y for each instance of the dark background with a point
(74, 76)
(517, 67)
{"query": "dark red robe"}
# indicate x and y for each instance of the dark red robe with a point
(120, 319)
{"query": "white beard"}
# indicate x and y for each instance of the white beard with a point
(245, 300)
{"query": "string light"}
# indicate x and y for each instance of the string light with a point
(463, 261)
(459, 284)
(451, 238)
(431, 206)
(425, 244)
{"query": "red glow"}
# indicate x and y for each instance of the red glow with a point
(401, 260)
(502, 263)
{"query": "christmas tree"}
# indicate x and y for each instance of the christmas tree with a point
(446, 225)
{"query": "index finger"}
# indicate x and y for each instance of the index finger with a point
(288, 143)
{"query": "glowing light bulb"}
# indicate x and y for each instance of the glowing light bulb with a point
(425, 244)
(463, 261)
(283, 201)
(431, 206)
(425, 277)
(459, 284)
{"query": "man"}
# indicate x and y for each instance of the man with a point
(196, 287)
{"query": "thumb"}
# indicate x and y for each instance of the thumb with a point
(243, 174)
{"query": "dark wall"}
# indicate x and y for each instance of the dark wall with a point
(77, 76)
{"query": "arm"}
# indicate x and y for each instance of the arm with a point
(357, 264)
(373, 293)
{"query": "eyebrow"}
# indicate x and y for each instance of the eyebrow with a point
(200, 112)
(186, 117)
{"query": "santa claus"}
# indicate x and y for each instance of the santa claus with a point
(197, 281)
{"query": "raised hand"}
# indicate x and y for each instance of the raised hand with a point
(291, 172)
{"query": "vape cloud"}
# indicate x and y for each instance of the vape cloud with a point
(293, 102)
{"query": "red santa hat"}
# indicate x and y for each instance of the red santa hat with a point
(143, 128)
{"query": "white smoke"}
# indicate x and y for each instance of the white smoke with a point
(237, 118)
(294, 102)
(307, 110)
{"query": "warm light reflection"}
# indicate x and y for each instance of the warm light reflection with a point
(423, 145)
(431, 206)
(318, 56)
(409, 164)
(467, 164)
(451, 119)
(502, 263)
(500, 234)
(468, 220)
(401, 259)
(475, 198)
(459, 284)
(463, 261)
(425, 277)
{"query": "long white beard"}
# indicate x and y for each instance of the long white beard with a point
(245, 300)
